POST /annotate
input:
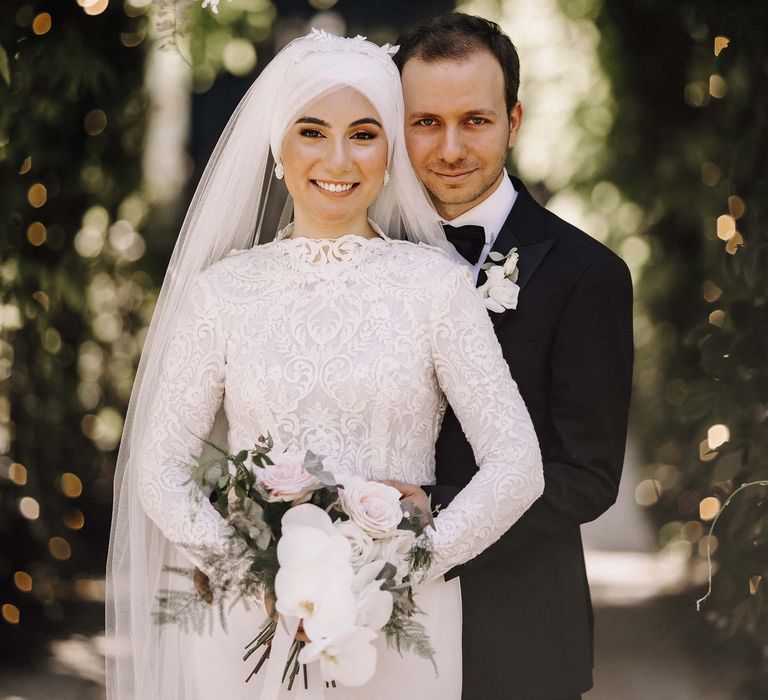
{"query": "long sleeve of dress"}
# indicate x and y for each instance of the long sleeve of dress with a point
(477, 383)
(187, 398)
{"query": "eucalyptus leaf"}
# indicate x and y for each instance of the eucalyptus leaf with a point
(496, 256)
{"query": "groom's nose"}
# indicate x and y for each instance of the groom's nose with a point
(451, 148)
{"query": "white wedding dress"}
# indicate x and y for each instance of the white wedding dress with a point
(347, 347)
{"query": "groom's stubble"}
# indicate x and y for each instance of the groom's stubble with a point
(457, 128)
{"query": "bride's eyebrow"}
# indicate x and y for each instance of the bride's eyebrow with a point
(366, 120)
(311, 120)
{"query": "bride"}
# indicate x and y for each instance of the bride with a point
(337, 337)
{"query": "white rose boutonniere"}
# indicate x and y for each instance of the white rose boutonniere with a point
(501, 290)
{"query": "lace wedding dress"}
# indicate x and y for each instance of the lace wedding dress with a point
(348, 347)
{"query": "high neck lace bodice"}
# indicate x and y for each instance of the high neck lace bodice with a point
(350, 248)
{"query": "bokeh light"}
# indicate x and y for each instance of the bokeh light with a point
(74, 519)
(36, 233)
(17, 473)
(717, 86)
(647, 492)
(239, 56)
(23, 581)
(71, 486)
(717, 435)
(37, 195)
(93, 7)
(95, 122)
(59, 548)
(29, 508)
(709, 508)
(726, 227)
(41, 24)
(11, 614)
(721, 42)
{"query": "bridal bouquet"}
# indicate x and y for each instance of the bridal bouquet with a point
(333, 551)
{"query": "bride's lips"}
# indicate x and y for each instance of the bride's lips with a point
(453, 178)
(334, 189)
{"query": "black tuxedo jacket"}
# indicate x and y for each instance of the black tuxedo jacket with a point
(527, 629)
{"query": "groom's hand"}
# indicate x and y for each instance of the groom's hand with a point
(411, 493)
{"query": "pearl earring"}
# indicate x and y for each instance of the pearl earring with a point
(386, 177)
(279, 170)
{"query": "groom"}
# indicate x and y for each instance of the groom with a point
(527, 629)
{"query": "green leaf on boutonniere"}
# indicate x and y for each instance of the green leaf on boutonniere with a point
(496, 256)
(488, 266)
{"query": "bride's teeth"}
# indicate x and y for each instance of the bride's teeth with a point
(330, 187)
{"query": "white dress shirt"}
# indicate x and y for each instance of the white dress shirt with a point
(491, 214)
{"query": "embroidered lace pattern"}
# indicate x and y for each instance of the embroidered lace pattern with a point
(347, 347)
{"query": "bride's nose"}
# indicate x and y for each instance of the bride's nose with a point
(339, 155)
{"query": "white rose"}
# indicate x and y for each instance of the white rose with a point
(510, 265)
(498, 292)
(286, 479)
(395, 550)
(373, 506)
(360, 542)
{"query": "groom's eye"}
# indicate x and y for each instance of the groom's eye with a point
(477, 121)
(426, 121)
(310, 133)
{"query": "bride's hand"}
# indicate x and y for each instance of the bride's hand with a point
(411, 493)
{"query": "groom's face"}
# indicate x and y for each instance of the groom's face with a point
(457, 128)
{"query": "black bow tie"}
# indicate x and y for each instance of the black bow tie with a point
(468, 240)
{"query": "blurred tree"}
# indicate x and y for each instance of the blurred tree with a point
(72, 301)
(690, 146)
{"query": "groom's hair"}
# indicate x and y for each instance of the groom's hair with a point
(456, 36)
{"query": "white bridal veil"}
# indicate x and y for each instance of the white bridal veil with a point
(230, 210)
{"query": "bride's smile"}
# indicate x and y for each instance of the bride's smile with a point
(335, 156)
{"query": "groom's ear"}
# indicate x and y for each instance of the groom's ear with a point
(515, 120)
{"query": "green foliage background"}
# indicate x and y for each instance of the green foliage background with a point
(73, 307)
(687, 157)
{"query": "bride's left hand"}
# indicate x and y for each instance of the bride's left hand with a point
(411, 493)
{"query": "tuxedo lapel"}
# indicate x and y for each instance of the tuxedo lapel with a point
(521, 231)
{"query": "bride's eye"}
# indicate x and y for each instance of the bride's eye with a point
(363, 135)
(310, 133)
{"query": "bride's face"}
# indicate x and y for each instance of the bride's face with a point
(334, 156)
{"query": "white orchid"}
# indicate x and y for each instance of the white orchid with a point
(374, 606)
(349, 658)
(314, 581)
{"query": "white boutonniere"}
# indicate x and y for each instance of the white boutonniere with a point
(500, 290)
